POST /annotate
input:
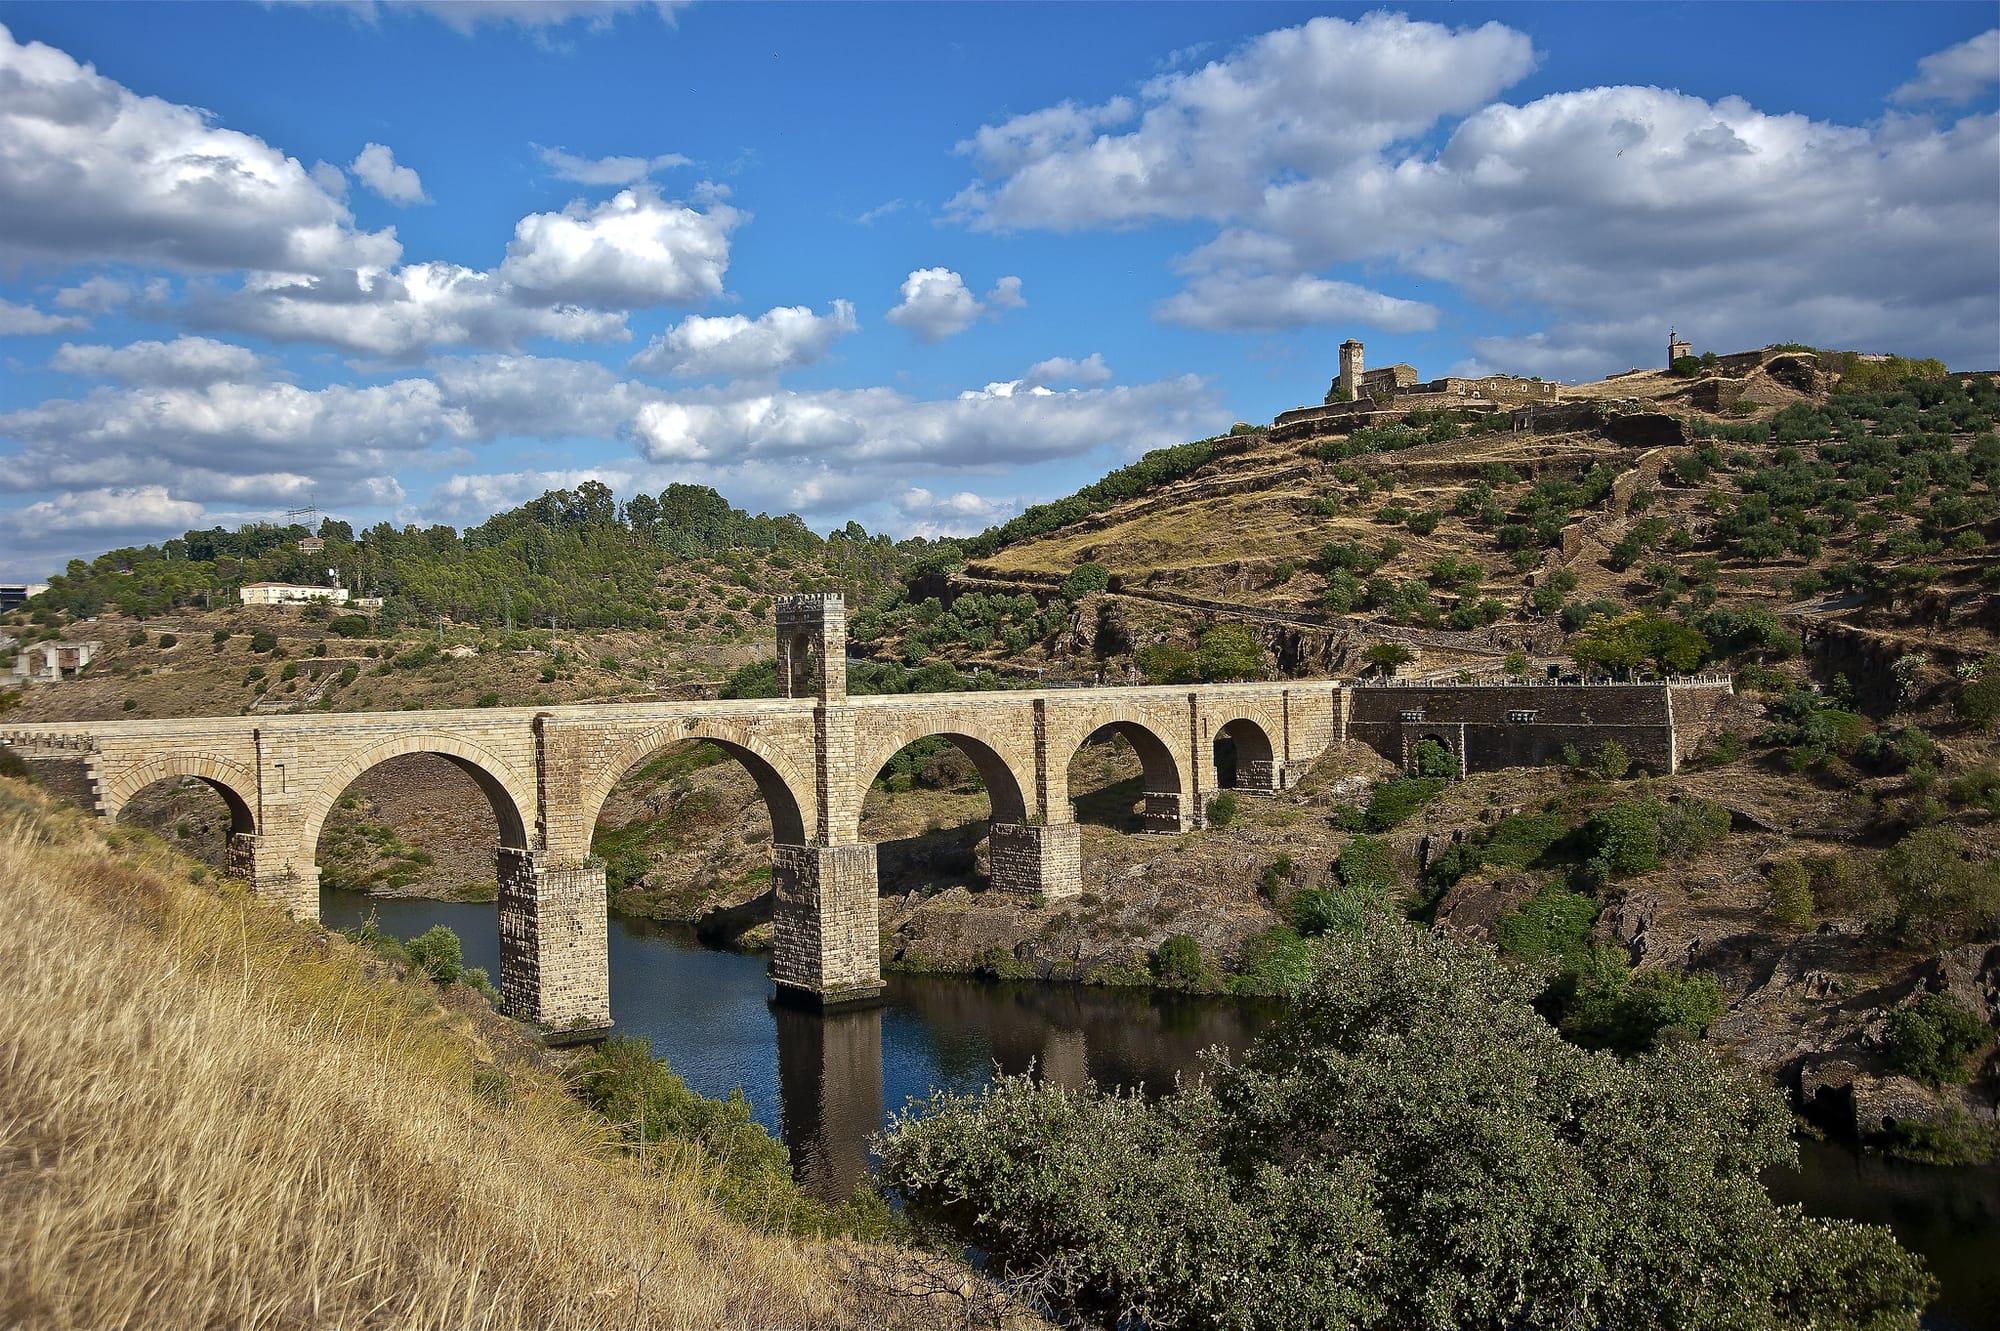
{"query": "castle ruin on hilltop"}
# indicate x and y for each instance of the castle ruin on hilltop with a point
(1360, 396)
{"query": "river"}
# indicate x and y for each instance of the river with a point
(825, 1084)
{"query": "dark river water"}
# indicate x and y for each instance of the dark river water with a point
(825, 1084)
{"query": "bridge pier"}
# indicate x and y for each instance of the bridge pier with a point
(826, 934)
(555, 966)
(1164, 813)
(1035, 859)
(274, 876)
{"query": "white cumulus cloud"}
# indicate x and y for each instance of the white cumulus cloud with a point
(936, 303)
(1298, 100)
(376, 168)
(185, 361)
(110, 508)
(1090, 371)
(635, 249)
(1271, 302)
(23, 320)
(1956, 74)
(782, 339)
(92, 171)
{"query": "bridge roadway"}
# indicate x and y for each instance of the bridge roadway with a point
(813, 753)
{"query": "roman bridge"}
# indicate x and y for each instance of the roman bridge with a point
(813, 752)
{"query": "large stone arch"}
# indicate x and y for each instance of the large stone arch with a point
(788, 794)
(1009, 788)
(1163, 777)
(235, 783)
(507, 788)
(1158, 731)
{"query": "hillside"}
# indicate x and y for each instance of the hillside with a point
(215, 1116)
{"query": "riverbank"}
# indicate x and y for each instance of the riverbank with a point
(225, 1117)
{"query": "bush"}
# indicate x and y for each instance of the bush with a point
(263, 640)
(489, 700)
(349, 626)
(1392, 801)
(436, 953)
(1610, 760)
(1407, 1146)
(1791, 893)
(1934, 1039)
(136, 639)
(1222, 810)
(1085, 579)
(1630, 1014)
(1433, 759)
(1553, 925)
(1178, 962)
(169, 640)
(1978, 700)
(1940, 897)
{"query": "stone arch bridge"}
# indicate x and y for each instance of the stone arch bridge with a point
(813, 753)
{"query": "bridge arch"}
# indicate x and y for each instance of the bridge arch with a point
(507, 788)
(788, 799)
(1006, 787)
(1240, 748)
(1160, 770)
(236, 784)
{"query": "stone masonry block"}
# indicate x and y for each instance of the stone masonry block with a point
(1032, 860)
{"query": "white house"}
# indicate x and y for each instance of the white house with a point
(285, 593)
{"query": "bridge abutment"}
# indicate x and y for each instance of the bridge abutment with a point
(555, 966)
(1035, 859)
(826, 936)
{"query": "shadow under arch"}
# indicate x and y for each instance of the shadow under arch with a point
(1242, 753)
(1160, 773)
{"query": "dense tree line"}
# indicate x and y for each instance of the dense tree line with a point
(573, 557)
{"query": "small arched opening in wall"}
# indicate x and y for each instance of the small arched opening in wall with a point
(1242, 755)
(798, 666)
(413, 840)
(195, 814)
(1119, 773)
(1433, 755)
(686, 831)
(928, 807)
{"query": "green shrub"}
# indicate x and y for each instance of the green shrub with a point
(169, 640)
(1178, 962)
(1938, 895)
(436, 953)
(1791, 893)
(1934, 1039)
(1611, 1008)
(1085, 579)
(1433, 759)
(1406, 1146)
(1222, 810)
(489, 700)
(1276, 961)
(1978, 699)
(1553, 925)
(1610, 760)
(130, 704)
(291, 671)
(1395, 800)
(263, 640)
(136, 638)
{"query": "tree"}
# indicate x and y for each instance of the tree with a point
(1631, 640)
(1227, 652)
(1933, 1040)
(1410, 1145)
(1386, 658)
(1085, 579)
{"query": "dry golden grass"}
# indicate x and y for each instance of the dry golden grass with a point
(213, 1117)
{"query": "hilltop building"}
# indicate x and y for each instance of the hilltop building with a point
(1360, 396)
(285, 593)
(53, 661)
(13, 593)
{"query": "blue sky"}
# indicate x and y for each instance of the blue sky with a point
(916, 265)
